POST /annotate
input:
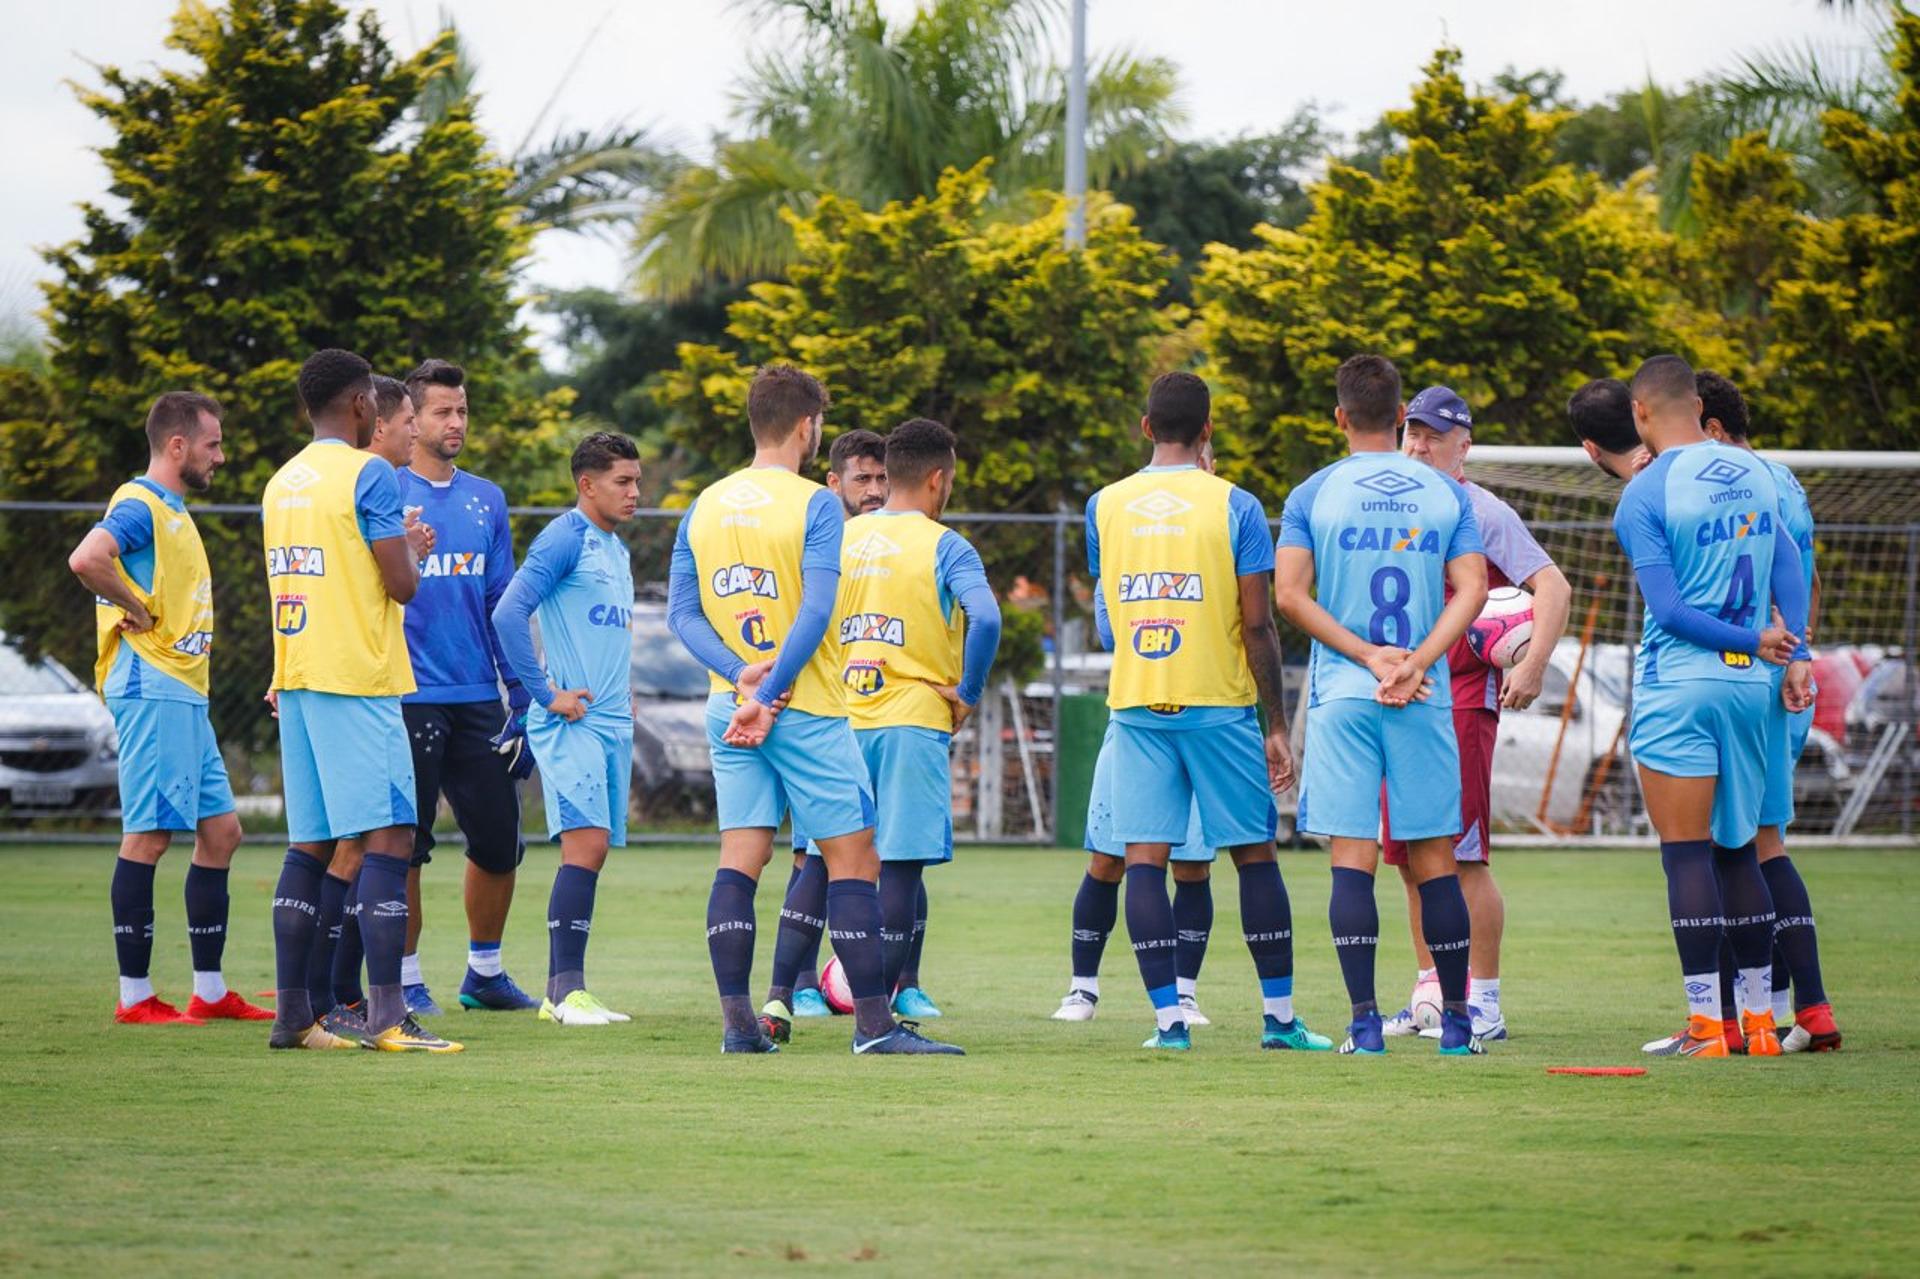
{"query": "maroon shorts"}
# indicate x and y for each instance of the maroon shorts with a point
(1476, 730)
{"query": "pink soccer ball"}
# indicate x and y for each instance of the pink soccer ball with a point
(1500, 635)
(833, 986)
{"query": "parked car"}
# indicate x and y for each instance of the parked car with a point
(59, 754)
(671, 762)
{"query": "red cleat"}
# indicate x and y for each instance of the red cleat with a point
(151, 1012)
(229, 1007)
(1736, 1042)
(1813, 1031)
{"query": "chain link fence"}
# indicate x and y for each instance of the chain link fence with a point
(1561, 770)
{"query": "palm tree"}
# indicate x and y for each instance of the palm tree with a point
(875, 110)
(575, 180)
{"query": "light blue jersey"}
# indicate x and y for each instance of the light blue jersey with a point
(1708, 512)
(1382, 528)
(1797, 513)
(578, 580)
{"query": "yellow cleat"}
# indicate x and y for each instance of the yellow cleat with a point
(315, 1036)
(411, 1037)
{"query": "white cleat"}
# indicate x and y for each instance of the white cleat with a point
(593, 1001)
(1665, 1046)
(1485, 1029)
(1079, 1005)
(1401, 1023)
(573, 1011)
(1191, 1008)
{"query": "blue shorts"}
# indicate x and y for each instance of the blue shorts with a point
(1354, 744)
(809, 763)
(586, 769)
(1161, 775)
(912, 779)
(171, 773)
(1099, 838)
(1709, 728)
(345, 765)
(1786, 737)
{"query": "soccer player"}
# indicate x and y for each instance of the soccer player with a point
(857, 475)
(333, 967)
(1439, 432)
(1701, 525)
(1602, 416)
(578, 577)
(1723, 415)
(756, 565)
(918, 628)
(454, 718)
(153, 625)
(341, 561)
(1183, 560)
(1384, 538)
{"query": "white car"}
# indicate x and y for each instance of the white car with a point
(1592, 733)
(59, 755)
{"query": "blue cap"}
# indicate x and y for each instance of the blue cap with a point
(1440, 409)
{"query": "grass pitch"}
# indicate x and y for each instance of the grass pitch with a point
(1050, 1149)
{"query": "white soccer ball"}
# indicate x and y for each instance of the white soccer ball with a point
(1424, 1002)
(1500, 635)
(834, 988)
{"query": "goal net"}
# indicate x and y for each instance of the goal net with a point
(1563, 767)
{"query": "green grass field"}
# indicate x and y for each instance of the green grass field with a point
(1050, 1149)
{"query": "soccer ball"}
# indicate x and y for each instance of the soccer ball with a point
(1424, 1002)
(839, 996)
(1500, 635)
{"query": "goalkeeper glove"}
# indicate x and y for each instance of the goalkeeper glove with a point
(511, 742)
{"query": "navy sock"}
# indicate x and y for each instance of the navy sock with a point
(1266, 921)
(853, 922)
(730, 929)
(569, 921)
(1693, 903)
(1095, 908)
(1748, 908)
(206, 916)
(1729, 992)
(899, 888)
(349, 956)
(1192, 925)
(910, 973)
(1793, 933)
(1446, 928)
(1150, 925)
(383, 932)
(1355, 920)
(326, 939)
(803, 916)
(131, 895)
(296, 912)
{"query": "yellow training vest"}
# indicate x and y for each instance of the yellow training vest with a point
(895, 639)
(1166, 571)
(181, 600)
(747, 533)
(335, 628)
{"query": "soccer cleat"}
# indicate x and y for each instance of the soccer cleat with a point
(229, 1007)
(1191, 1007)
(1365, 1037)
(1079, 1005)
(1280, 1036)
(315, 1036)
(496, 994)
(811, 1003)
(735, 1041)
(347, 1020)
(420, 1000)
(575, 1010)
(913, 1002)
(1736, 1041)
(904, 1040)
(1401, 1023)
(593, 1002)
(1486, 1029)
(1813, 1031)
(410, 1037)
(776, 1022)
(1762, 1041)
(152, 1012)
(1456, 1036)
(1175, 1038)
(1703, 1037)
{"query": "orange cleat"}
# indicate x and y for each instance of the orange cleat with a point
(1813, 1031)
(1703, 1037)
(1762, 1041)
(151, 1012)
(229, 1007)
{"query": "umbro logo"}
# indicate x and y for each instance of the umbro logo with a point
(298, 475)
(1389, 483)
(872, 547)
(1722, 471)
(745, 496)
(1159, 505)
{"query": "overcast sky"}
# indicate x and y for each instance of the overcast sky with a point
(1245, 66)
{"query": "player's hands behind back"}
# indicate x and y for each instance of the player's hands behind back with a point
(1796, 686)
(1777, 642)
(1402, 679)
(950, 693)
(570, 703)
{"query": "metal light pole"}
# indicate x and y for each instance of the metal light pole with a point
(1077, 132)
